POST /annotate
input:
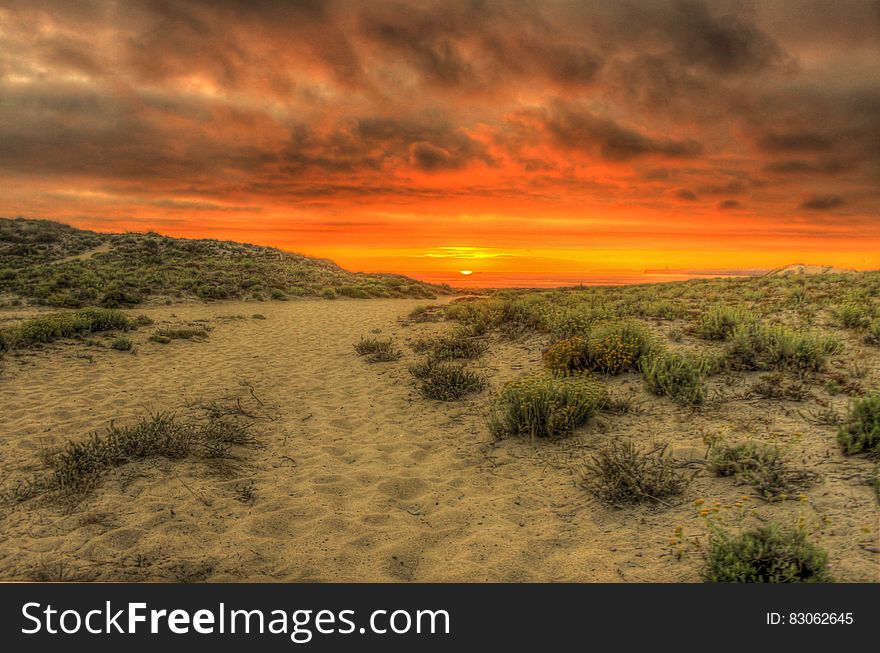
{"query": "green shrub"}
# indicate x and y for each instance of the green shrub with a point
(122, 343)
(543, 406)
(759, 347)
(446, 381)
(872, 332)
(765, 555)
(621, 473)
(186, 333)
(278, 295)
(328, 293)
(617, 347)
(719, 322)
(53, 326)
(860, 433)
(457, 345)
(765, 468)
(377, 351)
(854, 316)
(566, 356)
(676, 376)
(79, 466)
(424, 314)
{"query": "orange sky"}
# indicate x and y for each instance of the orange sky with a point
(508, 138)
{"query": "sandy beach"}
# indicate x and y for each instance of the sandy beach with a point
(356, 477)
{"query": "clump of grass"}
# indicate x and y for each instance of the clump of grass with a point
(457, 345)
(765, 468)
(776, 386)
(621, 473)
(759, 347)
(166, 335)
(78, 467)
(860, 432)
(424, 314)
(122, 343)
(854, 316)
(544, 406)
(71, 324)
(566, 356)
(258, 316)
(680, 377)
(767, 554)
(446, 381)
(617, 347)
(872, 332)
(719, 322)
(377, 350)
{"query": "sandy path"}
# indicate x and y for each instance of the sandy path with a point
(358, 478)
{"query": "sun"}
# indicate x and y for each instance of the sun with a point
(466, 273)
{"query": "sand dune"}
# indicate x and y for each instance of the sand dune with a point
(357, 478)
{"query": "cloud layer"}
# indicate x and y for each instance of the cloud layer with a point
(408, 126)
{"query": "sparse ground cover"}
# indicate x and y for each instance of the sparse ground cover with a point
(580, 434)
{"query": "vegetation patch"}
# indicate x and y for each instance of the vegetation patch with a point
(765, 555)
(122, 343)
(446, 381)
(621, 473)
(680, 377)
(543, 406)
(457, 345)
(79, 467)
(719, 322)
(377, 350)
(765, 468)
(566, 356)
(760, 347)
(860, 432)
(166, 335)
(617, 347)
(53, 264)
(69, 324)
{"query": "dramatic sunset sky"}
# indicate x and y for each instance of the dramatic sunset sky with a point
(515, 139)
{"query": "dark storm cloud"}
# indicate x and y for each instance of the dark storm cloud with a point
(722, 43)
(823, 202)
(777, 142)
(573, 127)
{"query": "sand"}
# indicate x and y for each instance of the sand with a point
(357, 477)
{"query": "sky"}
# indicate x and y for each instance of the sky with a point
(518, 140)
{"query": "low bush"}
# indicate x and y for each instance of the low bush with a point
(616, 347)
(457, 345)
(760, 347)
(79, 466)
(566, 356)
(446, 381)
(860, 432)
(167, 334)
(765, 555)
(765, 468)
(854, 316)
(122, 343)
(377, 351)
(680, 377)
(622, 473)
(544, 406)
(719, 322)
(73, 324)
